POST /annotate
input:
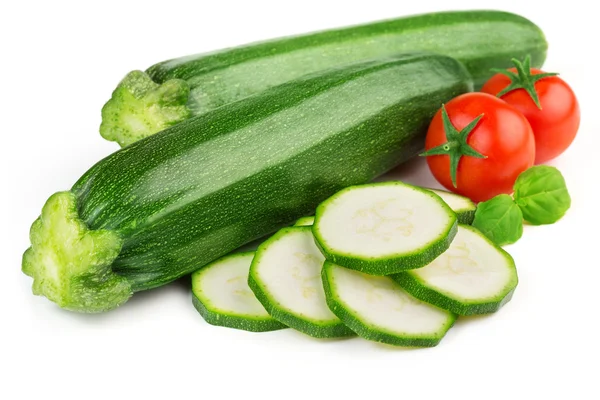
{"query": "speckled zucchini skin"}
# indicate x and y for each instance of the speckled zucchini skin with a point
(196, 191)
(481, 40)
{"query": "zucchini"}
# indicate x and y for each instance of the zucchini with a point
(221, 295)
(461, 205)
(376, 308)
(384, 228)
(285, 277)
(173, 90)
(473, 277)
(170, 204)
(305, 221)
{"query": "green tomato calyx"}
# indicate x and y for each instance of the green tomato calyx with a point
(456, 145)
(523, 79)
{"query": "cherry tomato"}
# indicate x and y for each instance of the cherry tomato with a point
(479, 125)
(555, 122)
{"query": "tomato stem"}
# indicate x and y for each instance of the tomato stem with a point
(523, 79)
(456, 146)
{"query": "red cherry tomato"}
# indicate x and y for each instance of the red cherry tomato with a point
(502, 135)
(555, 124)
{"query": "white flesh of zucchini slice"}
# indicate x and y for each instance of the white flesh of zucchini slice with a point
(285, 276)
(384, 228)
(377, 308)
(474, 276)
(222, 296)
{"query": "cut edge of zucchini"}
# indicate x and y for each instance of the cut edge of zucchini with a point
(236, 321)
(390, 263)
(465, 212)
(213, 315)
(305, 221)
(424, 291)
(376, 333)
(314, 328)
(419, 289)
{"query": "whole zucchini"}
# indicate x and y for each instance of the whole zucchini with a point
(168, 205)
(195, 84)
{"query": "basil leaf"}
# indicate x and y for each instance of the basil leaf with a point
(542, 195)
(500, 219)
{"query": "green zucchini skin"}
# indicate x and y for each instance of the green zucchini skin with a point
(171, 91)
(234, 321)
(465, 217)
(481, 40)
(200, 189)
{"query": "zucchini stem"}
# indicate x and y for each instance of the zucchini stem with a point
(71, 264)
(139, 108)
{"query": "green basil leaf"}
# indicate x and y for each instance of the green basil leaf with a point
(542, 195)
(500, 219)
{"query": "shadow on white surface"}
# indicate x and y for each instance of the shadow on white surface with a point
(149, 302)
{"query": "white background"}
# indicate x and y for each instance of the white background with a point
(59, 63)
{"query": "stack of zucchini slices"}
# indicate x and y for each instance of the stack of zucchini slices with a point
(389, 262)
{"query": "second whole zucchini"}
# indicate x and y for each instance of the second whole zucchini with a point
(174, 90)
(172, 203)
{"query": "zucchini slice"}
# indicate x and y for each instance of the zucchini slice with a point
(384, 228)
(376, 308)
(221, 295)
(461, 205)
(474, 276)
(285, 277)
(305, 221)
